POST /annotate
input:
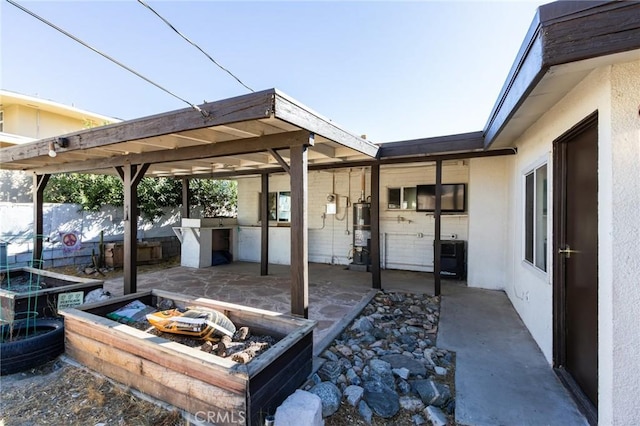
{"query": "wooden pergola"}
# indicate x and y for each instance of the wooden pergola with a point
(257, 134)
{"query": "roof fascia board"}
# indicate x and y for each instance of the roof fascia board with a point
(441, 144)
(288, 110)
(247, 107)
(563, 32)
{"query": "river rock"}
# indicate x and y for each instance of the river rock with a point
(402, 361)
(353, 394)
(431, 392)
(380, 370)
(383, 400)
(365, 412)
(411, 403)
(330, 371)
(330, 397)
(362, 325)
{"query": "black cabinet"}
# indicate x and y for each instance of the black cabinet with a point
(453, 259)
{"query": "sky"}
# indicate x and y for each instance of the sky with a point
(386, 69)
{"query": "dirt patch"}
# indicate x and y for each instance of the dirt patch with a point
(62, 394)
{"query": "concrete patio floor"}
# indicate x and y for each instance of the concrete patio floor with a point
(502, 378)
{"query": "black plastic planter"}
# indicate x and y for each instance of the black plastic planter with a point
(44, 342)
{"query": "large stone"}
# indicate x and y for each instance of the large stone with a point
(300, 408)
(431, 392)
(362, 325)
(383, 400)
(330, 371)
(436, 416)
(330, 397)
(380, 370)
(415, 368)
(353, 394)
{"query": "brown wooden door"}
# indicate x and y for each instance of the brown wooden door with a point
(576, 248)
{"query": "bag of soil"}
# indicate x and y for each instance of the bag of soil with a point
(196, 322)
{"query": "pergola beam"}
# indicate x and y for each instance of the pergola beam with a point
(253, 106)
(213, 150)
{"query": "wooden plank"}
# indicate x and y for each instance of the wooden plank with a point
(264, 225)
(212, 150)
(299, 232)
(273, 385)
(160, 382)
(280, 160)
(437, 216)
(189, 361)
(287, 110)
(452, 143)
(376, 276)
(601, 29)
(39, 184)
(248, 107)
(292, 339)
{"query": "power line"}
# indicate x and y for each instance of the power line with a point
(104, 55)
(194, 44)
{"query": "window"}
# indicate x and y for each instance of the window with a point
(1, 121)
(401, 198)
(279, 206)
(535, 217)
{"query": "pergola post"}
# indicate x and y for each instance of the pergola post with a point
(437, 249)
(264, 217)
(131, 175)
(39, 184)
(299, 231)
(186, 199)
(376, 279)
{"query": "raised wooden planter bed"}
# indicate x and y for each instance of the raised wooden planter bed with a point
(14, 303)
(207, 386)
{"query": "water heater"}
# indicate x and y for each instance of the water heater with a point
(361, 234)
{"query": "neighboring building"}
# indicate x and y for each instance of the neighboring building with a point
(27, 118)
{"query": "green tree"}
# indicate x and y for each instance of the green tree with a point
(217, 197)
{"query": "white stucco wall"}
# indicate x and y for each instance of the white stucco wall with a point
(619, 250)
(488, 222)
(530, 289)
(614, 92)
(406, 236)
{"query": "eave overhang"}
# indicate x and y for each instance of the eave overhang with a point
(565, 42)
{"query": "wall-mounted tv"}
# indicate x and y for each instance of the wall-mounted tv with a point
(454, 198)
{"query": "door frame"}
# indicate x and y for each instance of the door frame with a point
(559, 288)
